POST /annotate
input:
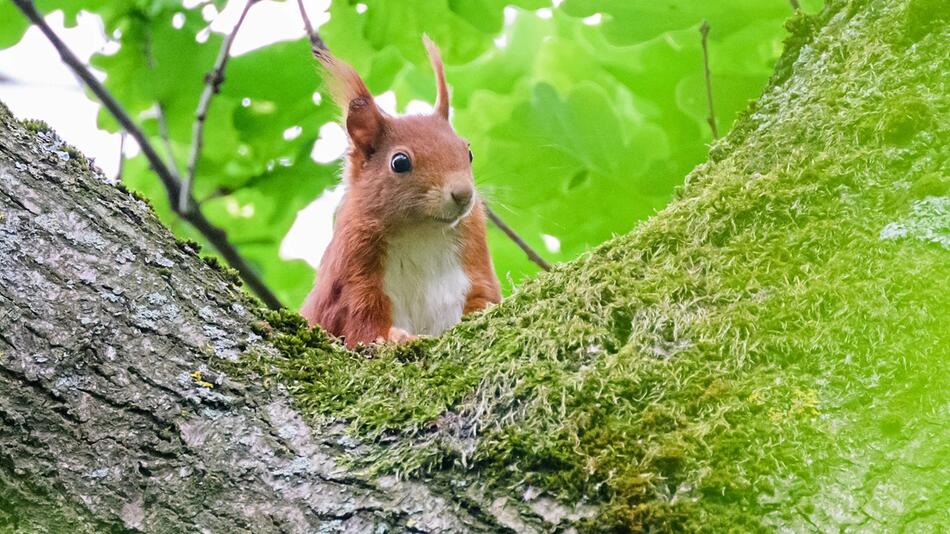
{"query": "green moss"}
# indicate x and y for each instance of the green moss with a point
(231, 275)
(188, 245)
(753, 358)
(900, 118)
(75, 157)
(135, 195)
(931, 185)
(36, 125)
(801, 30)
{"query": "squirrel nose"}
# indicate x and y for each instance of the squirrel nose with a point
(462, 197)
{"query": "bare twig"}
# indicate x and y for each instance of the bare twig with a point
(318, 44)
(213, 81)
(194, 216)
(532, 255)
(704, 32)
(315, 40)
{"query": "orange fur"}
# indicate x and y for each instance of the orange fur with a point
(476, 260)
(442, 89)
(348, 298)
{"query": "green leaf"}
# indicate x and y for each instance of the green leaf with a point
(628, 22)
(12, 24)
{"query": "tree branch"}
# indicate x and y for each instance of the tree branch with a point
(213, 82)
(194, 216)
(318, 44)
(315, 40)
(532, 255)
(704, 32)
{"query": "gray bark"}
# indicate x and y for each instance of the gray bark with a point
(104, 319)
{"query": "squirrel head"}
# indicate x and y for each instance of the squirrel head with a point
(402, 170)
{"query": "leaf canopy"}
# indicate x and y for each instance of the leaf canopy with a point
(583, 117)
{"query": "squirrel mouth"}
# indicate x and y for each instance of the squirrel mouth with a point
(455, 219)
(450, 221)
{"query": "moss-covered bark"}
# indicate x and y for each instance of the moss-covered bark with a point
(770, 351)
(767, 353)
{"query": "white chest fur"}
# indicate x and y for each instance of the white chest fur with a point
(424, 280)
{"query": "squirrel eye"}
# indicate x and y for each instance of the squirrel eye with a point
(400, 163)
(471, 157)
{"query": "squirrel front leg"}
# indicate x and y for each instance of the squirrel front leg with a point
(484, 289)
(479, 298)
(362, 316)
(348, 300)
(396, 335)
(368, 315)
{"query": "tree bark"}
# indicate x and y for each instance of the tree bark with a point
(108, 326)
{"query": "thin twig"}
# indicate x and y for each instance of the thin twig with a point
(795, 5)
(315, 40)
(118, 174)
(213, 81)
(166, 139)
(194, 216)
(532, 255)
(704, 31)
(318, 43)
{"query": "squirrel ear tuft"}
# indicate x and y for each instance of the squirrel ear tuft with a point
(363, 118)
(442, 90)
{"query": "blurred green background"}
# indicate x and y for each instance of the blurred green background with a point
(583, 115)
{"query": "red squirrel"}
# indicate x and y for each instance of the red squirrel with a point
(408, 255)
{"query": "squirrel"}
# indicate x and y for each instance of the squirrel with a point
(409, 254)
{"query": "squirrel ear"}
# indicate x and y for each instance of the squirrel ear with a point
(363, 119)
(442, 90)
(364, 123)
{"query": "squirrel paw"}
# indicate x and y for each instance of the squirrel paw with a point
(396, 335)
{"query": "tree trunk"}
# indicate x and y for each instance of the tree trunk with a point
(784, 318)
